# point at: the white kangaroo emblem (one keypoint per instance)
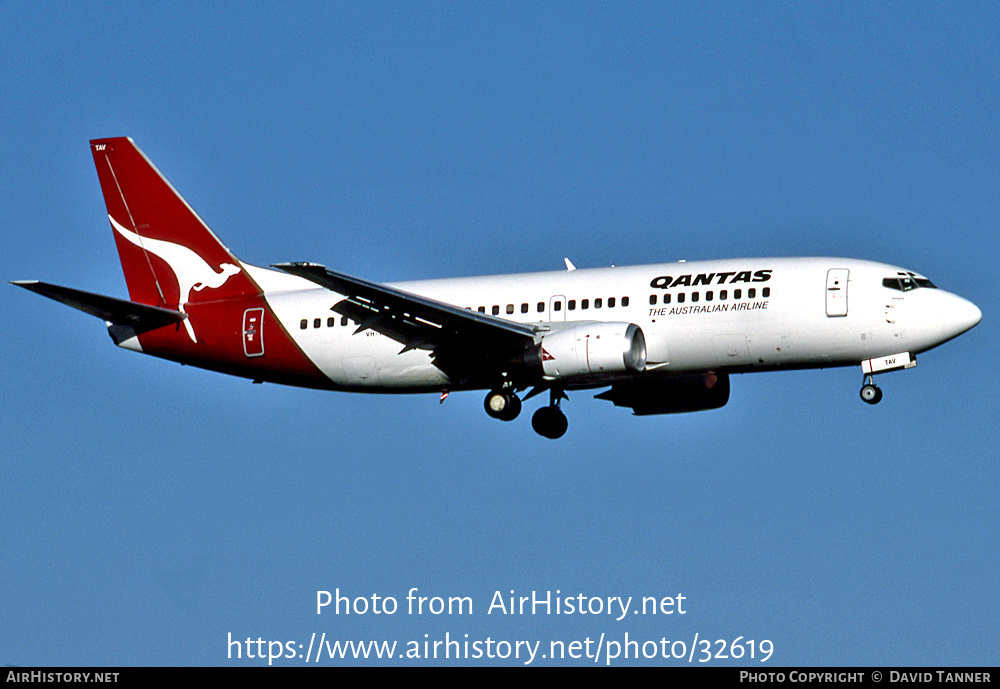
(190, 269)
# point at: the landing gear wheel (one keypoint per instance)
(549, 422)
(870, 393)
(503, 405)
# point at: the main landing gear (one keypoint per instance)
(503, 404)
(550, 422)
(870, 392)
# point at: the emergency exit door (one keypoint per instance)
(557, 308)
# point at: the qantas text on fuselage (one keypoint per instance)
(656, 339)
(731, 277)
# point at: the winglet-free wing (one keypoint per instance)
(119, 311)
(465, 344)
(385, 302)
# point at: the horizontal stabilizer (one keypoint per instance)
(119, 311)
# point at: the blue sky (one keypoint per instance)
(148, 510)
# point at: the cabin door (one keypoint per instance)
(836, 292)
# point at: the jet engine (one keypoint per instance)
(671, 395)
(592, 348)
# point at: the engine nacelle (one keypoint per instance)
(671, 395)
(593, 348)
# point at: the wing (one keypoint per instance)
(465, 344)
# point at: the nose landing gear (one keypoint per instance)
(870, 392)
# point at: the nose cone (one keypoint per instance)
(960, 315)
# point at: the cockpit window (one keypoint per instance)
(904, 282)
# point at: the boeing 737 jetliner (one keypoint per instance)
(661, 338)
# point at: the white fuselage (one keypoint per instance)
(722, 316)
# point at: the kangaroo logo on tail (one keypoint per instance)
(191, 270)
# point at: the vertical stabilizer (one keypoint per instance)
(169, 255)
(192, 301)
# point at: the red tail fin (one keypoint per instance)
(169, 256)
(172, 260)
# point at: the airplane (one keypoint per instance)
(662, 338)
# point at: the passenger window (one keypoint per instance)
(766, 291)
(708, 295)
(510, 308)
(597, 303)
(343, 320)
(584, 304)
(524, 307)
(652, 298)
(482, 309)
(317, 322)
(611, 302)
(495, 310)
(624, 301)
(694, 296)
(330, 321)
(304, 323)
(571, 304)
(680, 298)
(723, 294)
(557, 306)
(751, 293)
(541, 307)
(666, 298)
(737, 293)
